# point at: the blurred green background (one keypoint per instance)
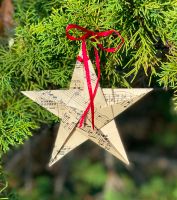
(35, 54)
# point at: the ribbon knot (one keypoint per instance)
(94, 36)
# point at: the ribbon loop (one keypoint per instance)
(94, 36)
(85, 36)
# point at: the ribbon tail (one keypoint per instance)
(87, 72)
(97, 58)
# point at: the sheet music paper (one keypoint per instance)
(70, 104)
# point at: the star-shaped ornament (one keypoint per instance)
(70, 104)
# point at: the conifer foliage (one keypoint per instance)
(41, 56)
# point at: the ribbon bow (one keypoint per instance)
(94, 36)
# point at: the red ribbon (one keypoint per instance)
(94, 37)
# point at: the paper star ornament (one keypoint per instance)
(70, 104)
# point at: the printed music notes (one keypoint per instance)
(70, 104)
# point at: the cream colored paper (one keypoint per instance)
(70, 104)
